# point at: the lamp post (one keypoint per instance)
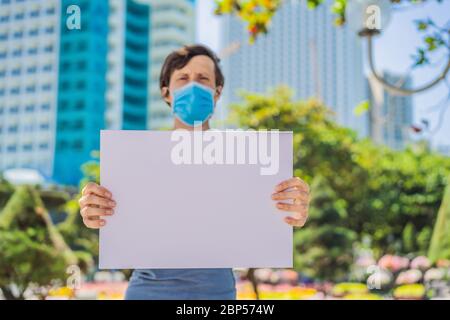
(368, 18)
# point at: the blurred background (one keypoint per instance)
(363, 84)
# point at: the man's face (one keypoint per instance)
(200, 69)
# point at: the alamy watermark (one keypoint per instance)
(228, 147)
(373, 17)
(73, 21)
(74, 279)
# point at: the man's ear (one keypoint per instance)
(218, 93)
(165, 94)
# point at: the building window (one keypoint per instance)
(33, 32)
(65, 66)
(134, 100)
(78, 145)
(34, 14)
(82, 65)
(18, 34)
(135, 65)
(80, 105)
(62, 145)
(14, 110)
(32, 51)
(63, 105)
(82, 46)
(15, 91)
(31, 69)
(65, 85)
(77, 125)
(49, 30)
(43, 146)
(17, 53)
(47, 87)
(81, 84)
(66, 46)
(29, 108)
(16, 72)
(31, 89)
(48, 48)
(27, 147)
(13, 129)
(50, 11)
(11, 148)
(45, 106)
(44, 126)
(47, 67)
(3, 36)
(19, 16)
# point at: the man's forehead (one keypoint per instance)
(198, 64)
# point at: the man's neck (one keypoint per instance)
(180, 125)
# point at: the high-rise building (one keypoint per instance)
(443, 149)
(391, 116)
(29, 48)
(60, 86)
(172, 26)
(103, 79)
(304, 50)
(128, 64)
(82, 88)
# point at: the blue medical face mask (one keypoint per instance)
(193, 104)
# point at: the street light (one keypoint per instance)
(369, 18)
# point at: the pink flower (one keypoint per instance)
(409, 277)
(420, 262)
(365, 261)
(393, 263)
(434, 274)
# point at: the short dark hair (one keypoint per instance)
(179, 59)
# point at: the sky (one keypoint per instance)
(393, 51)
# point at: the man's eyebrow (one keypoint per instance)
(205, 74)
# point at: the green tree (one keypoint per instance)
(31, 248)
(382, 190)
(73, 229)
(405, 188)
(6, 189)
(325, 247)
(440, 242)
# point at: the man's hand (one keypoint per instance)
(297, 190)
(96, 201)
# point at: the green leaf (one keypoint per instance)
(362, 108)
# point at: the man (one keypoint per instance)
(191, 83)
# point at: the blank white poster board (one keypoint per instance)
(204, 208)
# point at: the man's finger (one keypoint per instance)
(295, 222)
(290, 207)
(294, 194)
(94, 188)
(292, 183)
(94, 224)
(88, 212)
(92, 199)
